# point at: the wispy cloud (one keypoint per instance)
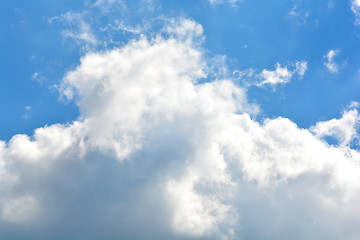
(299, 15)
(108, 4)
(330, 62)
(121, 26)
(80, 30)
(355, 7)
(38, 78)
(27, 111)
(282, 75)
(230, 2)
(344, 130)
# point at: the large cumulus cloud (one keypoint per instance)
(159, 153)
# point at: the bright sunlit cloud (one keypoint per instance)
(168, 144)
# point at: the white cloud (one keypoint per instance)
(103, 2)
(38, 78)
(121, 26)
(185, 29)
(231, 2)
(282, 75)
(293, 12)
(330, 63)
(80, 30)
(344, 129)
(301, 17)
(155, 148)
(27, 110)
(35, 76)
(106, 6)
(355, 7)
(300, 68)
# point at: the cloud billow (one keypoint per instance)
(155, 154)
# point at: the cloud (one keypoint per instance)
(20, 210)
(185, 29)
(355, 7)
(102, 2)
(344, 129)
(106, 6)
(27, 110)
(282, 75)
(38, 78)
(121, 26)
(300, 17)
(80, 30)
(35, 76)
(231, 2)
(154, 147)
(330, 63)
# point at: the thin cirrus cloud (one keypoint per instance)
(157, 154)
(79, 29)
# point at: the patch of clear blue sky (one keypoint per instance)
(254, 34)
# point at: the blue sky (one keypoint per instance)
(223, 111)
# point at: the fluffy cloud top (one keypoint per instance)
(157, 154)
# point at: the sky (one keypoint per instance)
(155, 119)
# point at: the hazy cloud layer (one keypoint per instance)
(155, 154)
